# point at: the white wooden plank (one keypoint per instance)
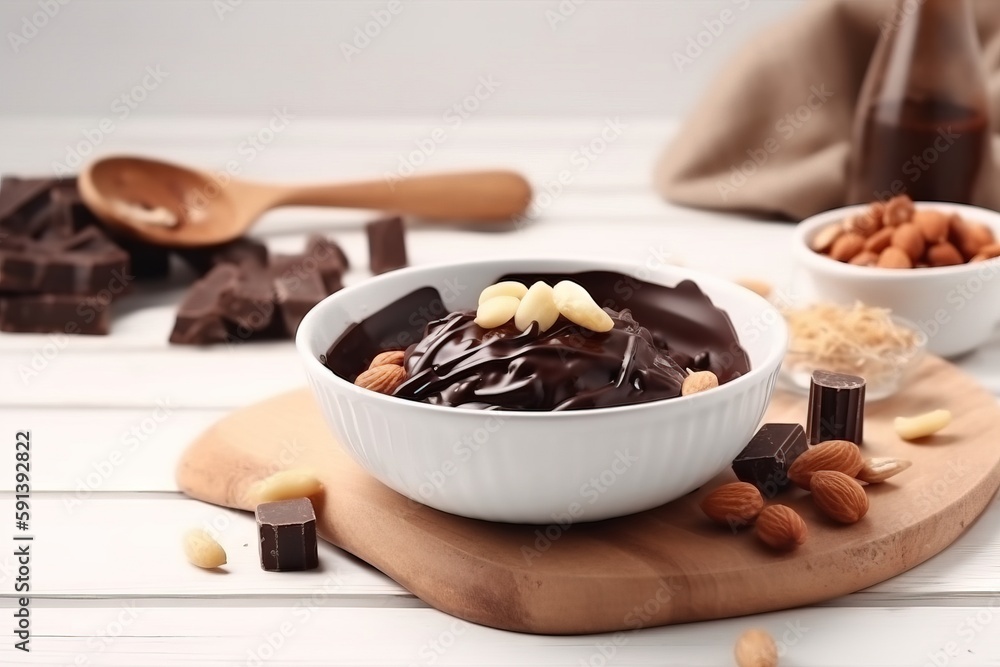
(315, 636)
(146, 529)
(108, 547)
(83, 451)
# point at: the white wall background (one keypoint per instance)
(249, 56)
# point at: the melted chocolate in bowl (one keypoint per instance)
(659, 331)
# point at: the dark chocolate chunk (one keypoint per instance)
(386, 245)
(249, 303)
(241, 251)
(764, 462)
(84, 263)
(296, 296)
(287, 535)
(21, 200)
(701, 361)
(146, 262)
(331, 260)
(836, 408)
(200, 319)
(54, 313)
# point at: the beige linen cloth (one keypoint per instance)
(786, 105)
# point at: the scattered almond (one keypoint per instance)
(944, 254)
(537, 305)
(505, 288)
(865, 258)
(497, 311)
(880, 240)
(756, 648)
(780, 527)
(839, 496)
(698, 382)
(824, 238)
(898, 211)
(921, 426)
(202, 550)
(384, 379)
(838, 455)
(847, 246)
(733, 505)
(574, 303)
(877, 470)
(285, 485)
(932, 224)
(909, 239)
(894, 258)
(394, 357)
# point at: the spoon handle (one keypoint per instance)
(466, 196)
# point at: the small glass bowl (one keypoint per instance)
(884, 376)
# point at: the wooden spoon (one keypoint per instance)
(171, 205)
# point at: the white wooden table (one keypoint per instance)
(110, 416)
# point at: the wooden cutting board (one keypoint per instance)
(667, 565)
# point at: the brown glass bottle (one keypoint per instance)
(922, 123)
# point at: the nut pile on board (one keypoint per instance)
(897, 235)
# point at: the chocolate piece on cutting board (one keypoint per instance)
(287, 531)
(200, 318)
(54, 313)
(764, 462)
(386, 244)
(836, 408)
(241, 251)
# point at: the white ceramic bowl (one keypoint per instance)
(957, 307)
(541, 467)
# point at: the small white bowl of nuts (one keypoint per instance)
(932, 263)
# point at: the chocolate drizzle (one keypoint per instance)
(659, 331)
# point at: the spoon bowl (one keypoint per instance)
(171, 205)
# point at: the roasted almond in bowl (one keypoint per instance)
(914, 273)
(512, 423)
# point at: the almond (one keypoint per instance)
(839, 496)
(932, 224)
(898, 211)
(537, 305)
(944, 254)
(756, 648)
(839, 455)
(894, 258)
(202, 550)
(780, 527)
(847, 246)
(824, 238)
(394, 357)
(970, 237)
(757, 286)
(506, 288)
(733, 505)
(384, 379)
(877, 470)
(864, 258)
(880, 240)
(865, 224)
(698, 382)
(909, 239)
(921, 426)
(989, 251)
